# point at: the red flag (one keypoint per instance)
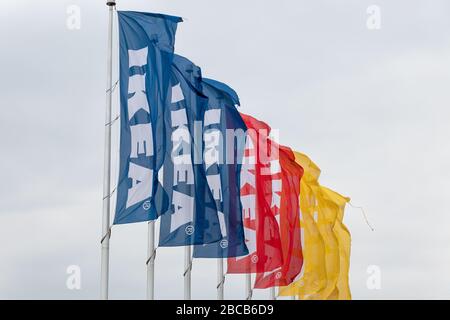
(289, 220)
(258, 203)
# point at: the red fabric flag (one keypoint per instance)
(289, 221)
(259, 204)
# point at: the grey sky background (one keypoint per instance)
(369, 107)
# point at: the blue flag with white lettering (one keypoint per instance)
(224, 135)
(191, 216)
(146, 54)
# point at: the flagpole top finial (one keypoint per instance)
(111, 3)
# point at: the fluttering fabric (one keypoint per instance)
(333, 210)
(326, 245)
(313, 278)
(191, 216)
(146, 54)
(256, 203)
(259, 204)
(224, 138)
(286, 176)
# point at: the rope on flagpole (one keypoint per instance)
(187, 272)
(112, 121)
(113, 87)
(110, 195)
(221, 283)
(220, 279)
(152, 257)
(111, 91)
(107, 235)
(188, 269)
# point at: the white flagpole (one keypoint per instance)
(104, 278)
(151, 261)
(248, 286)
(272, 293)
(220, 279)
(187, 272)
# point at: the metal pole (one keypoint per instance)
(187, 272)
(151, 261)
(220, 279)
(272, 293)
(104, 278)
(248, 286)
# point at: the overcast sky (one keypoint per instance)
(371, 107)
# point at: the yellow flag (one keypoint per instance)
(313, 278)
(343, 237)
(326, 241)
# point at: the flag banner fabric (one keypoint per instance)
(224, 137)
(191, 216)
(336, 203)
(327, 216)
(260, 202)
(215, 177)
(288, 217)
(224, 89)
(146, 53)
(326, 240)
(313, 277)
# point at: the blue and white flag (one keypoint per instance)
(191, 216)
(146, 54)
(224, 134)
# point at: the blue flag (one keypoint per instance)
(146, 54)
(191, 216)
(223, 161)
